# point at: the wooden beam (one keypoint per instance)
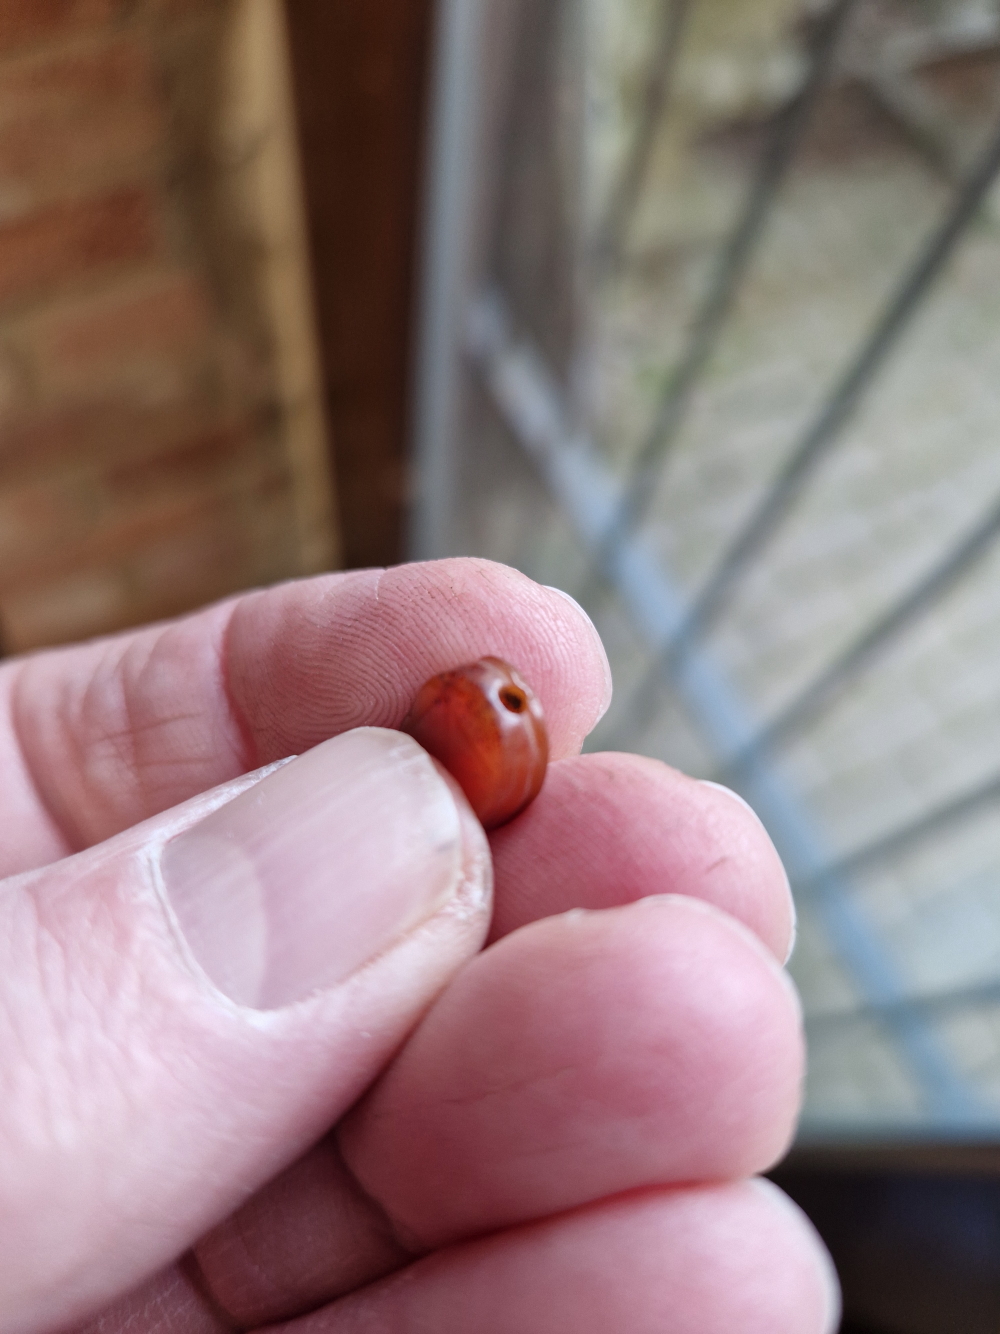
(361, 78)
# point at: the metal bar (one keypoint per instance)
(453, 126)
(580, 482)
(976, 993)
(840, 405)
(899, 840)
(729, 272)
(882, 989)
(919, 115)
(890, 72)
(628, 187)
(817, 440)
(879, 634)
(878, 1130)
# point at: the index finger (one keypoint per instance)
(97, 737)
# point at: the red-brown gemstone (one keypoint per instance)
(486, 727)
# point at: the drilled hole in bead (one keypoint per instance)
(513, 699)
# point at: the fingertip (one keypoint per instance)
(747, 1011)
(687, 910)
(611, 828)
(660, 1039)
(541, 630)
(755, 841)
(598, 643)
(803, 1240)
(389, 630)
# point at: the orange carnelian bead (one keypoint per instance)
(487, 728)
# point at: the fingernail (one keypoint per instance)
(728, 791)
(608, 684)
(793, 935)
(298, 882)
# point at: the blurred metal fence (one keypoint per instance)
(489, 336)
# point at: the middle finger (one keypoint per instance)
(581, 1057)
(607, 829)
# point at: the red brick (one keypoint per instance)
(57, 526)
(56, 149)
(69, 241)
(179, 9)
(91, 111)
(34, 443)
(208, 554)
(148, 561)
(13, 386)
(36, 521)
(194, 466)
(53, 528)
(217, 553)
(25, 22)
(98, 435)
(129, 335)
(76, 606)
(113, 68)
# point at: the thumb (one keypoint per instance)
(185, 1008)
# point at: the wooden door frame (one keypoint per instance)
(361, 78)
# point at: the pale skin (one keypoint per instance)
(517, 1117)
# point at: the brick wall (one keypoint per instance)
(161, 439)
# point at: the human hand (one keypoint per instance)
(203, 969)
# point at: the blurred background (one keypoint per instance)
(689, 307)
